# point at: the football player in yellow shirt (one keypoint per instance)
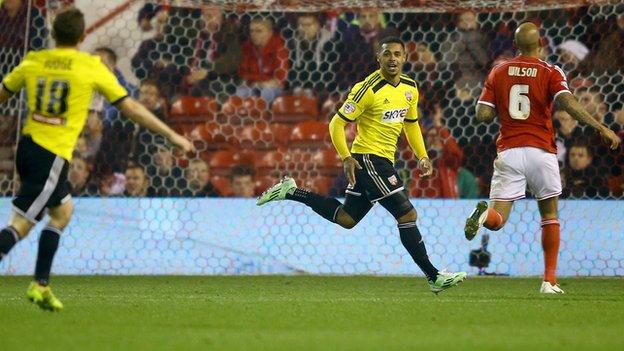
(59, 84)
(382, 105)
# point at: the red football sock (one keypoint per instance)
(550, 244)
(493, 219)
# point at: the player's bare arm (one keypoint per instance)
(337, 133)
(141, 115)
(485, 113)
(568, 103)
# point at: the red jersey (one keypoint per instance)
(522, 91)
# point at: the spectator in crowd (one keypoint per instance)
(311, 51)
(112, 184)
(465, 49)
(197, 178)
(568, 131)
(593, 101)
(147, 14)
(467, 184)
(151, 98)
(216, 54)
(78, 176)
(117, 132)
(446, 156)
(137, 182)
(571, 53)
(581, 178)
(358, 44)
(242, 181)
(13, 16)
(264, 62)
(606, 56)
(165, 178)
(92, 132)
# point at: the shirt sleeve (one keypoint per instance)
(558, 83)
(16, 79)
(107, 84)
(412, 113)
(487, 95)
(360, 98)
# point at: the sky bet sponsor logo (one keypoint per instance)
(392, 116)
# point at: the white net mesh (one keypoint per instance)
(258, 114)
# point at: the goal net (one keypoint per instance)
(255, 83)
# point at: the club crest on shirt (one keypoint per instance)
(409, 96)
(393, 180)
(349, 107)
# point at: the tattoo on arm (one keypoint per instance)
(569, 104)
(485, 113)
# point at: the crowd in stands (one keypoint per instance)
(256, 91)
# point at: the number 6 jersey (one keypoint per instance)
(522, 91)
(59, 85)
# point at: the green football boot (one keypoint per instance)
(446, 280)
(277, 192)
(43, 297)
(475, 220)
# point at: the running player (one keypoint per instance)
(382, 105)
(521, 91)
(59, 83)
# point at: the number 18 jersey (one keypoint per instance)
(60, 84)
(522, 91)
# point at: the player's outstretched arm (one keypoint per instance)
(339, 139)
(485, 113)
(141, 115)
(417, 143)
(569, 104)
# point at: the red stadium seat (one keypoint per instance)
(310, 134)
(222, 183)
(194, 108)
(259, 136)
(281, 133)
(269, 162)
(320, 185)
(237, 110)
(223, 160)
(215, 136)
(327, 162)
(294, 109)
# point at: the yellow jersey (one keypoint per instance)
(380, 110)
(59, 85)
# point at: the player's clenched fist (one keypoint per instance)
(425, 167)
(350, 164)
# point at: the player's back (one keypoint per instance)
(522, 91)
(60, 84)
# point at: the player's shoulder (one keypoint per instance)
(365, 86)
(407, 80)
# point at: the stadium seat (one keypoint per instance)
(281, 133)
(215, 136)
(292, 109)
(263, 183)
(321, 185)
(259, 136)
(222, 184)
(190, 107)
(237, 110)
(327, 162)
(269, 162)
(223, 160)
(310, 134)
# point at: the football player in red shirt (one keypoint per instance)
(521, 92)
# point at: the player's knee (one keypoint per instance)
(410, 216)
(345, 220)
(61, 216)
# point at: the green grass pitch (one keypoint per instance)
(312, 313)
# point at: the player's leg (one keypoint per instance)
(544, 182)
(548, 209)
(18, 228)
(508, 184)
(401, 208)
(355, 207)
(60, 217)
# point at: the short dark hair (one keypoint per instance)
(583, 143)
(68, 27)
(391, 40)
(108, 51)
(241, 171)
(151, 82)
